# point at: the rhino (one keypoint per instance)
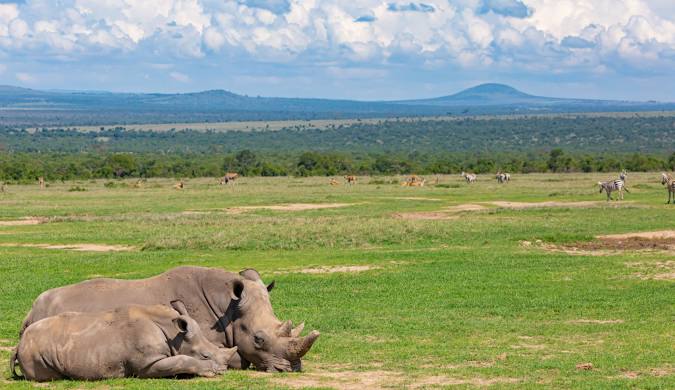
(130, 341)
(232, 309)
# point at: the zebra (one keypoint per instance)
(469, 177)
(502, 177)
(623, 175)
(669, 182)
(613, 185)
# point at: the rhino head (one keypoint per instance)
(261, 339)
(191, 341)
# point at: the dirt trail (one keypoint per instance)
(24, 221)
(75, 247)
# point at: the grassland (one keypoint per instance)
(406, 290)
(275, 125)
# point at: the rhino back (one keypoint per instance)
(182, 283)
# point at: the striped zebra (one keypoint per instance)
(469, 177)
(611, 186)
(623, 175)
(668, 181)
(503, 177)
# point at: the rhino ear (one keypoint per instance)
(250, 274)
(237, 290)
(181, 324)
(270, 286)
(179, 306)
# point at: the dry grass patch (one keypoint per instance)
(600, 322)
(288, 207)
(424, 215)
(76, 247)
(658, 270)
(529, 205)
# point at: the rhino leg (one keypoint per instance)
(181, 365)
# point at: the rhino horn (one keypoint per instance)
(299, 346)
(285, 329)
(297, 330)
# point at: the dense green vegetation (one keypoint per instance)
(26, 167)
(400, 302)
(535, 144)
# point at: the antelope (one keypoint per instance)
(414, 181)
(668, 181)
(350, 179)
(41, 181)
(179, 186)
(229, 177)
(334, 182)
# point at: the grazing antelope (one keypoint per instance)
(334, 182)
(414, 181)
(41, 181)
(139, 183)
(613, 185)
(229, 177)
(668, 181)
(469, 177)
(179, 186)
(351, 179)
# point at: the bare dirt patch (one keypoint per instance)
(416, 198)
(75, 247)
(343, 380)
(442, 380)
(379, 379)
(288, 207)
(24, 221)
(465, 207)
(600, 322)
(424, 215)
(332, 270)
(610, 245)
(529, 205)
(658, 235)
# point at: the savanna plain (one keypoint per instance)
(411, 287)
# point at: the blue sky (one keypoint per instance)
(366, 49)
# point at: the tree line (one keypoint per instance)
(24, 167)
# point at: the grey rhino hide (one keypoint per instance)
(142, 341)
(232, 310)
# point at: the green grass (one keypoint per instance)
(459, 300)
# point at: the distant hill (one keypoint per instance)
(29, 107)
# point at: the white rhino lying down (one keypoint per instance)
(232, 310)
(132, 341)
